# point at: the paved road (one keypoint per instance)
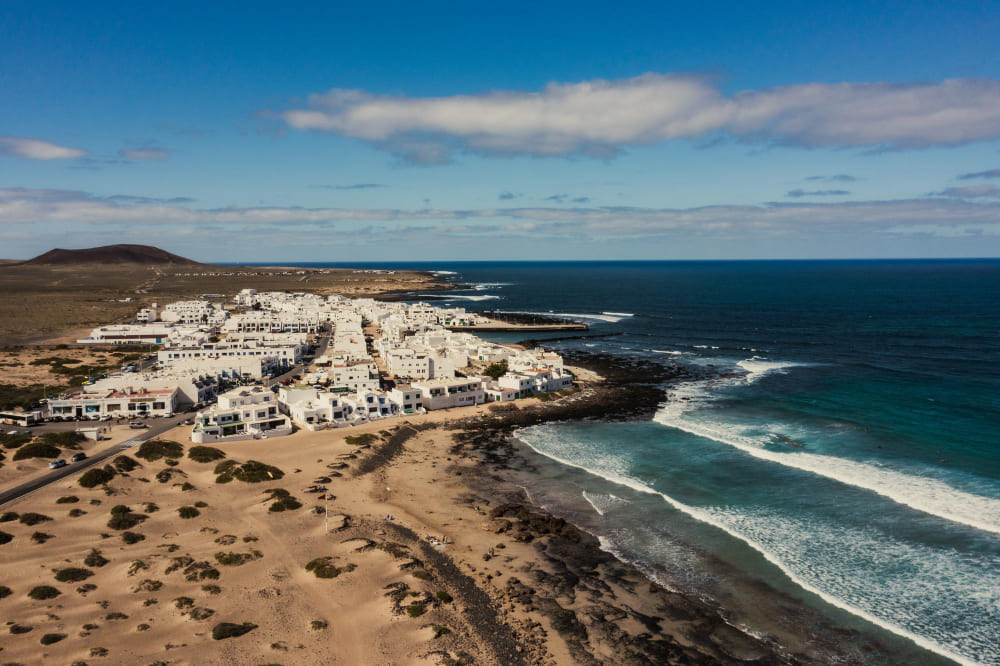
(157, 427)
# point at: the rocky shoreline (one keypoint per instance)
(605, 610)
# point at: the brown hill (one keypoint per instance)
(110, 254)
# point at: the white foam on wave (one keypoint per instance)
(666, 351)
(922, 493)
(481, 286)
(609, 469)
(465, 297)
(592, 503)
(602, 502)
(619, 314)
(443, 273)
(704, 346)
(604, 316)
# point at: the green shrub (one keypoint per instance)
(119, 510)
(49, 639)
(237, 559)
(142, 627)
(184, 602)
(319, 625)
(116, 616)
(200, 505)
(37, 450)
(199, 571)
(356, 440)
(42, 592)
(18, 629)
(96, 476)
(201, 613)
(68, 499)
(41, 537)
(67, 439)
(149, 585)
(155, 449)
(8, 516)
(251, 471)
(211, 589)
(124, 464)
(186, 487)
(188, 512)
(4, 591)
(33, 519)
(132, 537)
(440, 630)
(73, 574)
(76, 513)
(443, 597)
(5, 537)
(323, 567)
(420, 574)
(124, 521)
(95, 559)
(205, 454)
(14, 441)
(416, 609)
(230, 630)
(496, 370)
(149, 507)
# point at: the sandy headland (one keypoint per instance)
(421, 551)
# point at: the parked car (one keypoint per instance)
(56, 464)
(188, 421)
(77, 457)
(106, 417)
(137, 425)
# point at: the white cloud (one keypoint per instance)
(600, 118)
(970, 192)
(36, 149)
(157, 154)
(34, 207)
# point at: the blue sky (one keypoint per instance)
(245, 132)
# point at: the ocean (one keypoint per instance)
(845, 451)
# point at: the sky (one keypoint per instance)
(255, 132)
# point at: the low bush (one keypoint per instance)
(237, 559)
(13, 441)
(124, 464)
(132, 537)
(18, 629)
(73, 574)
(319, 625)
(156, 449)
(440, 630)
(149, 585)
(252, 471)
(230, 630)
(282, 500)
(188, 512)
(356, 440)
(8, 516)
(4, 591)
(323, 567)
(200, 571)
(95, 559)
(49, 639)
(205, 454)
(37, 450)
(184, 602)
(149, 507)
(211, 589)
(416, 609)
(33, 519)
(42, 592)
(443, 597)
(96, 476)
(116, 616)
(68, 499)
(76, 513)
(67, 439)
(5, 537)
(124, 521)
(201, 613)
(41, 537)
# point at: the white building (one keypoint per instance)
(355, 375)
(241, 414)
(448, 392)
(124, 403)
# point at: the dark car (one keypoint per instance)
(77, 457)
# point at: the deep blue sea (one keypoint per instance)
(850, 458)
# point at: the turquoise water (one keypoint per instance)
(848, 454)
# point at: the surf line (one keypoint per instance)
(707, 518)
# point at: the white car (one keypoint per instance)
(56, 464)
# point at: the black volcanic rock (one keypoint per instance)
(110, 254)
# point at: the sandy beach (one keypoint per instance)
(431, 557)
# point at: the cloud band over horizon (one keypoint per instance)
(601, 118)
